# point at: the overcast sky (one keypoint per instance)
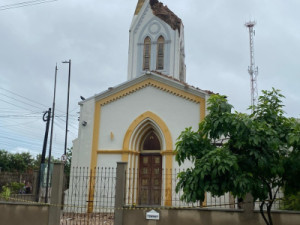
(94, 35)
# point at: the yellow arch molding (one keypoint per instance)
(169, 148)
(162, 125)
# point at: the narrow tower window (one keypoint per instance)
(160, 53)
(147, 53)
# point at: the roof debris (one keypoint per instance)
(164, 13)
(184, 83)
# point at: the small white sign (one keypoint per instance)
(152, 215)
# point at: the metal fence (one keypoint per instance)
(91, 194)
(90, 197)
(168, 197)
(278, 204)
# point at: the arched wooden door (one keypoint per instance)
(150, 172)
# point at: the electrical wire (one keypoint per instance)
(63, 129)
(24, 4)
(18, 124)
(21, 101)
(20, 116)
(21, 107)
(10, 136)
(70, 124)
(28, 99)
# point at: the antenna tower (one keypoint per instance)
(252, 69)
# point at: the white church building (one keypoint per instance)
(139, 121)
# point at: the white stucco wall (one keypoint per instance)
(108, 160)
(116, 117)
(82, 146)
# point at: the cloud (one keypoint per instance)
(94, 34)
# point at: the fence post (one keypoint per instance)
(120, 192)
(248, 216)
(56, 193)
(34, 184)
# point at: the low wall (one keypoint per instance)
(23, 214)
(207, 217)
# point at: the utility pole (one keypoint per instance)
(68, 99)
(252, 69)
(51, 136)
(47, 113)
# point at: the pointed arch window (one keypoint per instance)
(160, 53)
(147, 53)
(151, 142)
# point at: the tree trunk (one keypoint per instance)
(261, 207)
(269, 206)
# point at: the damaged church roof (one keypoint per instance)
(165, 14)
(162, 12)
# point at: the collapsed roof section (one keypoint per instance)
(165, 14)
(162, 12)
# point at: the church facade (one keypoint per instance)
(139, 121)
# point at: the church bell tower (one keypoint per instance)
(156, 41)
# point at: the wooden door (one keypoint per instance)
(150, 179)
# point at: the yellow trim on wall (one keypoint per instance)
(152, 83)
(94, 156)
(116, 152)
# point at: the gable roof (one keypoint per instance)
(153, 79)
(184, 83)
(139, 6)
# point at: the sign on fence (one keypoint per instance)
(152, 215)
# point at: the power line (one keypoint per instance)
(18, 124)
(15, 105)
(62, 128)
(20, 101)
(28, 99)
(20, 116)
(14, 139)
(37, 143)
(71, 124)
(24, 4)
(31, 148)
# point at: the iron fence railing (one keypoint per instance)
(168, 197)
(90, 196)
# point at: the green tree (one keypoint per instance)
(37, 161)
(4, 160)
(16, 162)
(239, 153)
(21, 162)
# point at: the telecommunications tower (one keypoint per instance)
(252, 69)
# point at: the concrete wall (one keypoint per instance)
(24, 214)
(208, 217)
(16, 213)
